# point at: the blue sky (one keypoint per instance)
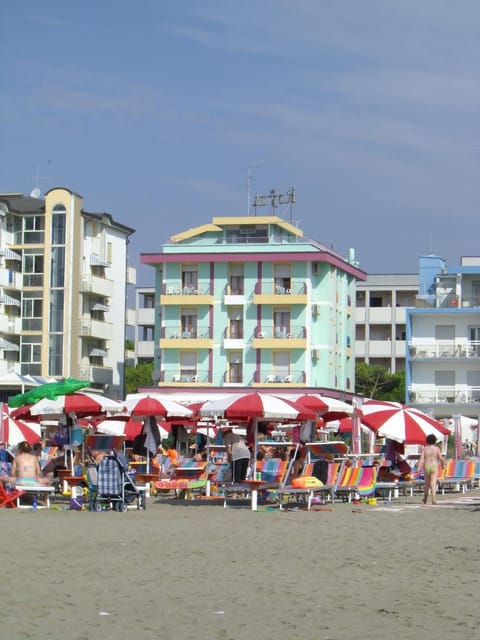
(154, 110)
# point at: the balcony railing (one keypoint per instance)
(288, 287)
(277, 376)
(184, 377)
(465, 349)
(178, 332)
(177, 289)
(280, 332)
(442, 394)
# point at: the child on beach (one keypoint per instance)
(431, 460)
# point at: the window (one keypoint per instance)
(281, 323)
(235, 367)
(56, 311)
(148, 301)
(32, 311)
(58, 225)
(55, 355)
(281, 365)
(236, 323)
(33, 229)
(33, 269)
(189, 323)
(282, 278)
(188, 365)
(31, 355)
(236, 279)
(189, 278)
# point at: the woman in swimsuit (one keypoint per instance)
(26, 468)
(431, 460)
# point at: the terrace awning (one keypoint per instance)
(6, 345)
(12, 255)
(100, 307)
(13, 302)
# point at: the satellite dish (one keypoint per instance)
(36, 193)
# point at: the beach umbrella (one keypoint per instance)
(326, 407)
(143, 405)
(49, 390)
(13, 431)
(256, 407)
(79, 403)
(400, 423)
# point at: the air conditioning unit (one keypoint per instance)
(315, 354)
(316, 309)
(316, 267)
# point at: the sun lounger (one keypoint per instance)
(347, 485)
(186, 480)
(36, 492)
(308, 493)
(457, 476)
(271, 472)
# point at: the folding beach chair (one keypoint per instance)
(9, 498)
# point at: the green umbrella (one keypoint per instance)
(49, 390)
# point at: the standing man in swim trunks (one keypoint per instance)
(431, 460)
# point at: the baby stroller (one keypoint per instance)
(111, 486)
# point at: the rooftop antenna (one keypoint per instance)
(249, 186)
(36, 192)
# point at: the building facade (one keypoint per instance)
(443, 337)
(248, 302)
(63, 280)
(382, 301)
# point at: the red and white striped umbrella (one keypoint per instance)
(243, 406)
(328, 408)
(13, 431)
(142, 405)
(401, 423)
(128, 427)
(80, 403)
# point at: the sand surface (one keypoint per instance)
(194, 572)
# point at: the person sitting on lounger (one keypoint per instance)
(26, 468)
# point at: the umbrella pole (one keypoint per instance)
(207, 485)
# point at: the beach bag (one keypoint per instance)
(306, 482)
(76, 504)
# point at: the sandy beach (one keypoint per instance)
(189, 571)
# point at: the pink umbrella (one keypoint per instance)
(401, 423)
(13, 431)
(80, 403)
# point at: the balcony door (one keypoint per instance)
(281, 323)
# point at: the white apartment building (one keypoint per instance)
(63, 284)
(380, 319)
(443, 336)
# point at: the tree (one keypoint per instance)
(139, 376)
(374, 381)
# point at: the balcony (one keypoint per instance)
(170, 377)
(146, 317)
(445, 349)
(290, 292)
(279, 377)
(176, 337)
(145, 348)
(273, 337)
(95, 328)
(176, 294)
(95, 374)
(97, 285)
(459, 394)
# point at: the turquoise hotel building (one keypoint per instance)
(244, 303)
